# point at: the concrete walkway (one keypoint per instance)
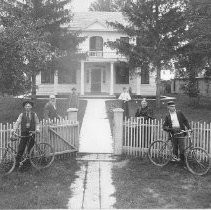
(93, 188)
(95, 135)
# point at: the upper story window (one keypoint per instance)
(47, 76)
(96, 43)
(124, 39)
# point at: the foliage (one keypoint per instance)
(155, 28)
(194, 56)
(43, 37)
(107, 5)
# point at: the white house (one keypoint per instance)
(100, 73)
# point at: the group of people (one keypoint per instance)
(29, 122)
(174, 122)
(143, 110)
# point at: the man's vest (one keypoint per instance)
(27, 124)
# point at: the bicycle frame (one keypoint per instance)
(188, 138)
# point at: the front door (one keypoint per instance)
(96, 80)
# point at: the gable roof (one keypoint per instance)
(82, 20)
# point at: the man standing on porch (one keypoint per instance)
(125, 97)
(73, 99)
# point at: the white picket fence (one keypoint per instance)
(139, 134)
(62, 135)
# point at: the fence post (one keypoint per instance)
(118, 130)
(72, 114)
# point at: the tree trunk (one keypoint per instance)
(33, 96)
(158, 82)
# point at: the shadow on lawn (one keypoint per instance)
(139, 184)
(49, 188)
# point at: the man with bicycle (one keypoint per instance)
(29, 122)
(174, 122)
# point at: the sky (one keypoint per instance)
(81, 5)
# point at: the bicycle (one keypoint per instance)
(40, 156)
(196, 158)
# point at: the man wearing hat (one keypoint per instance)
(50, 111)
(174, 122)
(74, 99)
(28, 121)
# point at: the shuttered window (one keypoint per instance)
(47, 76)
(96, 43)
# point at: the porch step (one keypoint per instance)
(97, 97)
(105, 157)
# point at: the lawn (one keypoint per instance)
(46, 189)
(139, 184)
(10, 108)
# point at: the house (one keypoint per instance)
(101, 72)
(203, 83)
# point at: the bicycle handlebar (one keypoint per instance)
(18, 136)
(184, 131)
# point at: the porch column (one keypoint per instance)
(112, 79)
(138, 82)
(55, 86)
(82, 77)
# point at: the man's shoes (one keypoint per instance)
(175, 158)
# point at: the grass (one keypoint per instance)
(139, 184)
(10, 108)
(47, 189)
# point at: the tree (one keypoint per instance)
(12, 78)
(194, 56)
(46, 39)
(155, 28)
(107, 5)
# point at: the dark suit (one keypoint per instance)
(50, 112)
(145, 136)
(178, 141)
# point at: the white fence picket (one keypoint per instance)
(66, 129)
(139, 134)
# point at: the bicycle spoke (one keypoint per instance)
(42, 155)
(159, 153)
(7, 162)
(198, 161)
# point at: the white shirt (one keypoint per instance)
(174, 120)
(125, 96)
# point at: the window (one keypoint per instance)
(67, 76)
(104, 76)
(96, 43)
(47, 76)
(122, 73)
(144, 76)
(87, 76)
(124, 39)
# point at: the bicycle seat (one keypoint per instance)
(13, 138)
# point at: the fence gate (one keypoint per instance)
(62, 135)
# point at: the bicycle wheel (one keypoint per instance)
(41, 155)
(159, 153)
(7, 161)
(198, 161)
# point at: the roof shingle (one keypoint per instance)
(82, 20)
